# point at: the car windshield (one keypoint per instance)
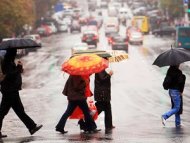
(119, 39)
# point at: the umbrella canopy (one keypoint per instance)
(84, 64)
(18, 43)
(100, 53)
(174, 56)
(117, 55)
(111, 55)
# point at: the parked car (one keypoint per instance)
(166, 30)
(120, 43)
(63, 27)
(136, 37)
(90, 37)
(44, 30)
(79, 46)
(51, 26)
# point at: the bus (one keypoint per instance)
(141, 22)
(183, 37)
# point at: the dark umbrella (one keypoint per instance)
(18, 43)
(174, 56)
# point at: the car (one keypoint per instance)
(131, 29)
(165, 30)
(63, 27)
(75, 26)
(136, 37)
(90, 37)
(120, 43)
(111, 25)
(79, 47)
(52, 26)
(35, 37)
(111, 36)
(44, 30)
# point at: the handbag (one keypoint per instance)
(78, 114)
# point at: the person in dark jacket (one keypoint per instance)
(75, 91)
(102, 95)
(10, 87)
(175, 82)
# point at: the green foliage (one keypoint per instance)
(14, 15)
(174, 7)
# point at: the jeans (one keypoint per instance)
(175, 96)
(70, 108)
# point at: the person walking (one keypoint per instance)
(102, 95)
(174, 82)
(75, 89)
(10, 87)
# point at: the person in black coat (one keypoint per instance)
(75, 91)
(102, 96)
(175, 82)
(10, 87)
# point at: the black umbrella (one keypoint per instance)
(18, 43)
(174, 56)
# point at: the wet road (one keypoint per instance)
(138, 99)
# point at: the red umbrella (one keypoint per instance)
(85, 64)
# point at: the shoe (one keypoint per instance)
(2, 136)
(163, 121)
(32, 131)
(61, 131)
(96, 130)
(112, 127)
(179, 126)
(82, 125)
(92, 131)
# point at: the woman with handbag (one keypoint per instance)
(75, 92)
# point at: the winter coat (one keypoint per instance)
(174, 79)
(75, 88)
(102, 89)
(13, 80)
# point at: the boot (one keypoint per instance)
(2, 136)
(82, 124)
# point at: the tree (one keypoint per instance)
(14, 15)
(174, 8)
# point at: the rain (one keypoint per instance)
(138, 98)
